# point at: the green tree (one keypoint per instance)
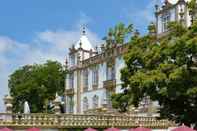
(192, 9)
(36, 84)
(119, 34)
(164, 70)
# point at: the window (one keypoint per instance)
(95, 76)
(70, 104)
(85, 80)
(85, 104)
(95, 100)
(72, 59)
(110, 72)
(71, 81)
(165, 21)
(108, 98)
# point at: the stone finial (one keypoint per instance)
(8, 103)
(156, 8)
(57, 103)
(66, 62)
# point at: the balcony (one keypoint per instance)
(85, 89)
(109, 84)
(69, 91)
(95, 86)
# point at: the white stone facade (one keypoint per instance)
(169, 12)
(93, 76)
(87, 83)
(92, 71)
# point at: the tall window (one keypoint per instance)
(71, 80)
(95, 76)
(70, 104)
(72, 59)
(95, 100)
(165, 21)
(110, 72)
(108, 98)
(85, 79)
(85, 104)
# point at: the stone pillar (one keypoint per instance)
(8, 108)
(8, 103)
(57, 103)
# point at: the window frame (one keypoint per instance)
(85, 79)
(95, 101)
(85, 104)
(165, 20)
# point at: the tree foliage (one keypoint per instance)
(119, 34)
(165, 70)
(36, 84)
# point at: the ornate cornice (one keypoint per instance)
(108, 54)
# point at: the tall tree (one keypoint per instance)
(36, 84)
(119, 34)
(164, 70)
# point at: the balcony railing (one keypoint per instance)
(69, 91)
(80, 121)
(109, 84)
(85, 89)
(95, 86)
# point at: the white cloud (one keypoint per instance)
(5, 44)
(46, 45)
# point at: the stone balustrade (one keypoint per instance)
(80, 121)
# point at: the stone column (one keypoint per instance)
(8, 103)
(8, 107)
(57, 103)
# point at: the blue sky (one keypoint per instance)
(22, 19)
(32, 31)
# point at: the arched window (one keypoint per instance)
(85, 104)
(95, 100)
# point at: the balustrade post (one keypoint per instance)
(8, 105)
(57, 103)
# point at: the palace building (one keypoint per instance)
(172, 10)
(94, 73)
(93, 76)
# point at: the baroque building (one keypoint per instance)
(94, 73)
(93, 76)
(172, 10)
